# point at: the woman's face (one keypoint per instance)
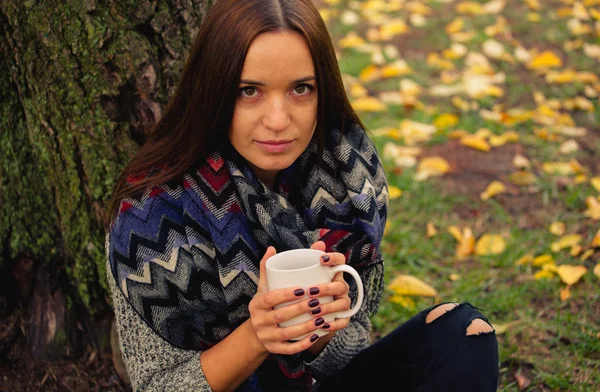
(276, 109)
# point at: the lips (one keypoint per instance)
(275, 146)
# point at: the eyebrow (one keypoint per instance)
(257, 83)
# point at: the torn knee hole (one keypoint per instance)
(479, 326)
(438, 311)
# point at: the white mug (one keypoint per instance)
(302, 268)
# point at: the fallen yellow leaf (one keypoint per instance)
(597, 270)
(557, 228)
(351, 40)
(494, 188)
(475, 142)
(595, 181)
(369, 73)
(433, 166)
(490, 244)
(565, 242)
(546, 59)
(408, 285)
(368, 104)
(502, 328)
(542, 259)
(526, 259)
(403, 301)
(565, 293)
(570, 274)
(543, 274)
(431, 230)
(596, 240)
(586, 255)
(453, 277)
(394, 192)
(455, 232)
(558, 168)
(593, 204)
(522, 178)
(446, 120)
(466, 246)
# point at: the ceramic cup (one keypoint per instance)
(302, 268)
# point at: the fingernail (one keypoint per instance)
(314, 338)
(326, 326)
(313, 303)
(319, 321)
(298, 292)
(325, 258)
(314, 291)
(316, 311)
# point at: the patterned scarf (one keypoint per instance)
(188, 257)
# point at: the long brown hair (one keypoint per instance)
(198, 116)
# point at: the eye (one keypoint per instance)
(248, 92)
(303, 89)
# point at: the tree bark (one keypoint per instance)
(82, 82)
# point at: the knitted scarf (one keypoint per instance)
(186, 256)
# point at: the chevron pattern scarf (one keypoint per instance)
(186, 254)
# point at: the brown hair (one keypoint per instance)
(199, 114)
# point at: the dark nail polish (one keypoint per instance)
(314, 338)
(314, 291)
(313, 303)
(326, 326)
(325, 258)
(316, 311)
(319, 321)
(298, 292)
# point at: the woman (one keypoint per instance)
(259, 151)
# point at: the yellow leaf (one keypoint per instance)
(494, 188)
(558, 168)
(455, 26)
(368, 104)
(469, 7)
(576, 249)
(397, 68)
(597, 270)
(394, 192)
(570, 274)
(433, 166)
(593, 211)
(497, 140)
(533, 17)
(431, 230)
(403, 301)
(526, 259)
(453, 277)
(595, 181)
(557, 228)
(586, 255)
(408, 285)
(475, 142)
(502, 328)
(466, 246)
(543, 274)
(370, 72)
(542, 259)
(596, 240)
(520, 162)
(388, 226)
(522, 178)
(565, 242)
(446, 120)
(351, 40)
(455, 232)
(490, 244)
(546, 59)
(392, 29)
(549, 267)
(358, 90)
(565, 293)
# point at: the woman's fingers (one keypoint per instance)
(289, 348)
(269, 300)
(262, 280)
(333, 258)
(328, 289)
(288, 312)
(339, 305)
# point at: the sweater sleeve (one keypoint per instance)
(348, 342)
(151, 362)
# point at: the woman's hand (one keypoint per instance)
(265, 319)
(338, 288)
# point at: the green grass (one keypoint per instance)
(555, 344)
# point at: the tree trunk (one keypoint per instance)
(82, 82)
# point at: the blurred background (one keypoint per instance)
(485, 113)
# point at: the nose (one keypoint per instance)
(277, 117)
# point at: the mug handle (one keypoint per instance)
(346, 268)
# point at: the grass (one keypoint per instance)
(546, 343)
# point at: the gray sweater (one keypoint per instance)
(153, 364)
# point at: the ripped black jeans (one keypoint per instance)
(425, 357)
